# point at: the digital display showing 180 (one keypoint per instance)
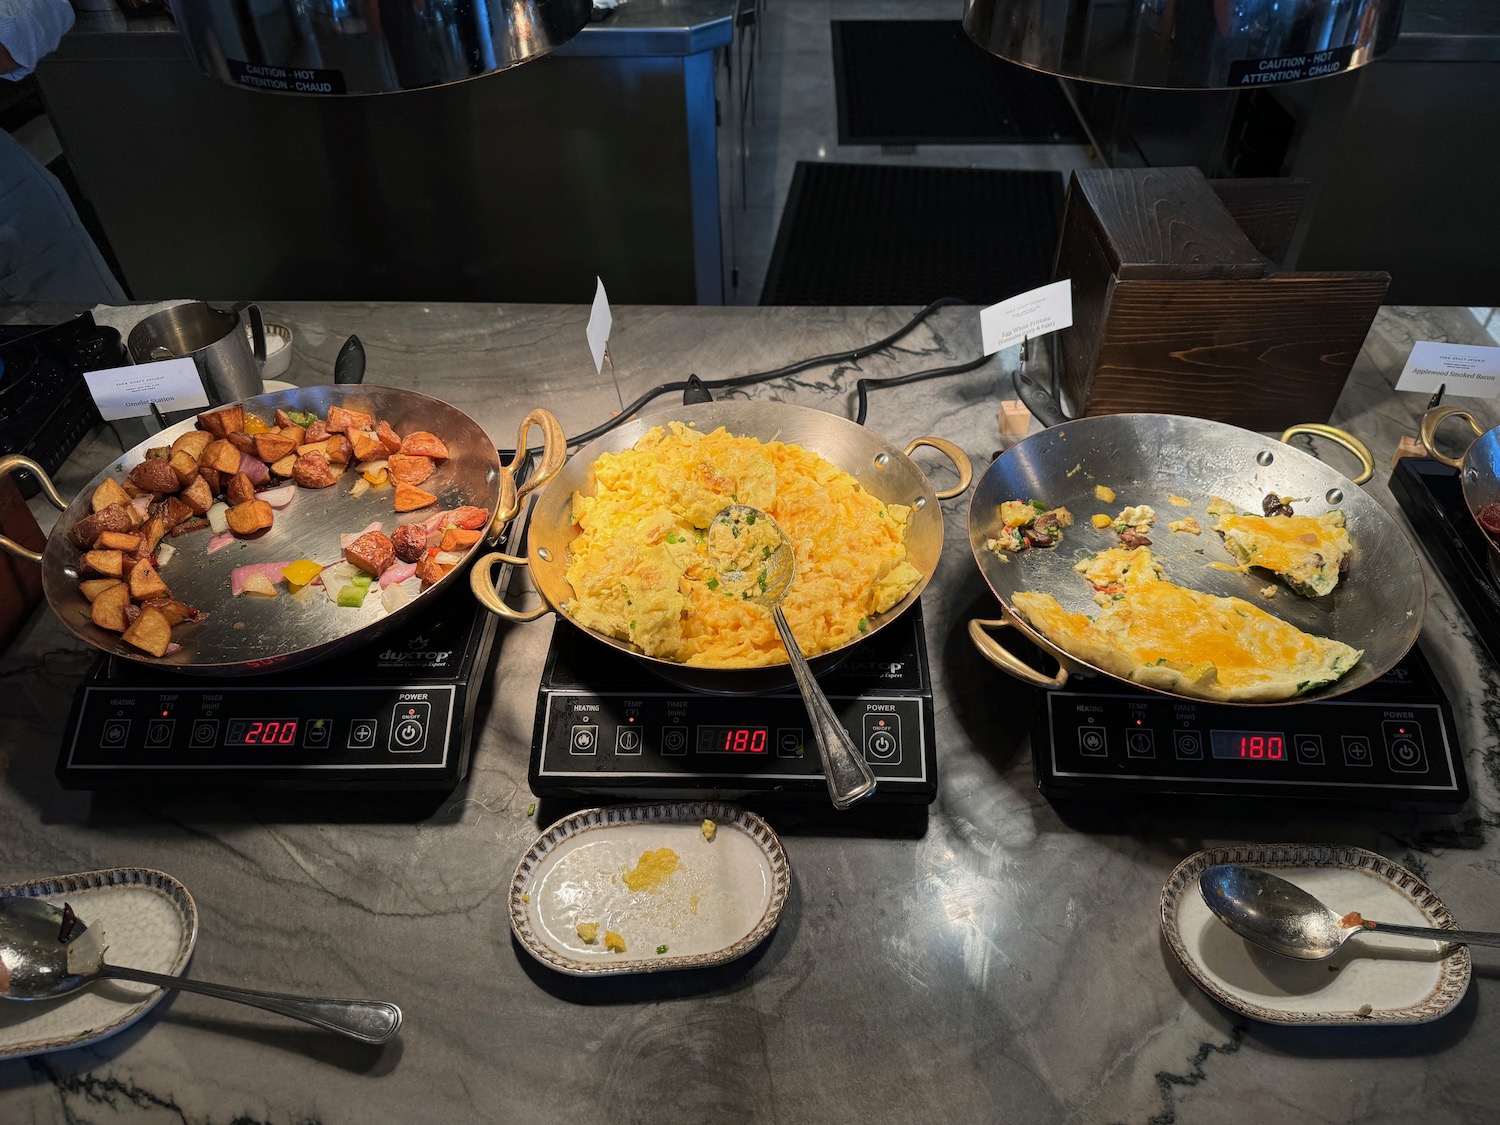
(1249, 745)
(733, 740)
(261, 732)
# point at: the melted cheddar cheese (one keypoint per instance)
(1308, 552)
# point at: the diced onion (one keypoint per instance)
(254, 468)
(361, 486)
(278, 497)
(218, 518)
(393, 597)
(164, 553)
(371, 466)
(448, 558)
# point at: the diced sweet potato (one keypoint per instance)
(250, 517)
(221, 455)
(145, 582)
(151, 632)
(198, 496)
(429, 571)
(423, 444)
(222, 423)
(113, 518)
(373, 552)
(117, 541)
(273, 447)
(155, 475)
(151, 532)
(111, 563)
(284, 467)
(108, 609)
(342, 421)
(185, 466)
(312, 470)
(171, 510)
(192, 443)
(411, 469)
(458, 539)
(340, 449)
(388, 437)
(240, 489)
(109, 492)
(409, 498)
(367, 447)
(91, 588)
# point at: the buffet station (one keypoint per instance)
(762, 726)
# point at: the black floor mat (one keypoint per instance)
(913, 82)
(873, 234)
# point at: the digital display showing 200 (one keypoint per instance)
(261, 732)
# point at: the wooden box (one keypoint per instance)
(1179, 306)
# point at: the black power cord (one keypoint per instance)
(699, 389)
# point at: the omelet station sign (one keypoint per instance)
(1290, 68)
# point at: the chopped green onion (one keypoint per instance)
(864, 624)
(352, 596)
(361, 580)
(632, 625)
(531, 809)
(749, 517)
(761, 581)
(713, 583)
(661, 949)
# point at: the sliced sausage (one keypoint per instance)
(372, 552)
(410, 541)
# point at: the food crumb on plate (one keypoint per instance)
(1177, 501)
(652, 870)
(1105, 493)
(613, 942)
(1187, 525)
(1267, 592)
(588, 931)
(709, 829)
(661, 949)
(1075, 468)
(1102, 520)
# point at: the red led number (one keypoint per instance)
(271, 734)
(743, 741)
(1269, 747)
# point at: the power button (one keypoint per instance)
(409, 727)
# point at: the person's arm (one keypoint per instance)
(29, 30)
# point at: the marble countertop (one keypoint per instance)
(999, 958)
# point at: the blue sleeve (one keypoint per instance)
(31, 29)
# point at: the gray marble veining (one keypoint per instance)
(999, 959)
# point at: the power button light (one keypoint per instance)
(1403, 746)
(883, 739)
(409, 727)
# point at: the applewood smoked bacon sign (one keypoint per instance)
(1290, 68)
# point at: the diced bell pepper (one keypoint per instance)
(254, 425)
(353, 596)
(300, 573)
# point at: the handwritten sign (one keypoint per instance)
(1026, 316)
(1467, 370)
(128, 392)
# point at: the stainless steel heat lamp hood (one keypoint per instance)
(1186, 44)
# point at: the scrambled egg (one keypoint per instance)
(1165, 636)
(642, 570)
(1308, 552)
(652, 870)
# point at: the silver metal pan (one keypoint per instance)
(1148, 458)
(250, 635)
(1479, 467)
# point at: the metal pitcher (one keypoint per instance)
(213, 339)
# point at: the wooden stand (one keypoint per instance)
(1179, 307)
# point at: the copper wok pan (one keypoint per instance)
(1479, 467)
(251, 635)
(1147, 458)
(883, 469)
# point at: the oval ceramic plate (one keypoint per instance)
(724, 897)
(1374, 979)
(148, 920)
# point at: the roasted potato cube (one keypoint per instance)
(342, 421)
(117, 541)
(108, 610)
(91, 588)
(312, 470)
(250, 517)
(388, 437)
(282, 419)
(411, 469)
(409, 498)
(367, 447)
(156, 475)
(222, 456)
(318, 431)
(243, 442)
(423, 444)
(171, 510)
(174, 611)
(285, 466)
(185, 466)
(116, 517)
(222, 423)
(109, 492)
(212, 477)
(239, 489)
(340, 450)
(192, 443)
(145, 582)
(297, 434)
(151, 633)
(111, 563)
(458, 539)
(151, 532)
(198, 496)
(273, 447)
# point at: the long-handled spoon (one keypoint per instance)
(46, 952)
(1282, 917)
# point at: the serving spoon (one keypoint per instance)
(47, 952)
(1280, 916)
(849, 776)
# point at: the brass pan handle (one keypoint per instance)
(959, 458)
(1338, 437)
(1435, 418)
(482, 583)
(554, 451)
(1007, 661)
(13, 463)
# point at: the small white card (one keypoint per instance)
(1027, 316)
(600, 323)
(1468, 370)
(128, 392)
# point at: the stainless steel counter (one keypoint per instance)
(997, 958)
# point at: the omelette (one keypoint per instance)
(1165, 636)
(1309, 553)
(643, 568)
